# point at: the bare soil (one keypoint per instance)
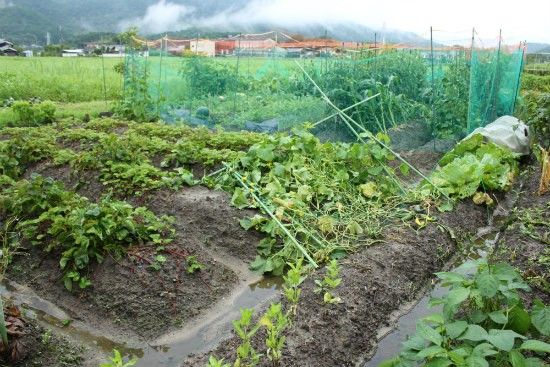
(375, 282)
(127, 297)
(40, 348)
(522, 250)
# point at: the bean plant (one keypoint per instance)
(483, 323)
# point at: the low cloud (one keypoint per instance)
(160, 17)
(451, 23)
(5, 4)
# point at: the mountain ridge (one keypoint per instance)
(27, 21)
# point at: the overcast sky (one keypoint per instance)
(452, 20)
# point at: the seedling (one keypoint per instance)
(293, 279)
(275, 322)
(193, 265)
(117, 361)
(329, 283)
(213, 362)
(159, 260)
(246, 355)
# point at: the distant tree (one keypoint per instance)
(128, 38)
(53, 50)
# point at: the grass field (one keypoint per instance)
(82, 79)
(59, 79)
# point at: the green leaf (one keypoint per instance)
(517, 359)
(439, 362)
(394, 362)
(540, 317)
(503, 339)
(239, 199)
(266, 153)
(457, 296)
(404, 168)
(430, 352)
(499, 317)
(519, 320)
(487, 284)
(456, 328)
(484, 350)
(428, 333)
(435, 318)
(536, 346)
(474, 333)
(476, 361)
(450, 277)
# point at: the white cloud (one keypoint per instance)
(452, 20)
(160, 17)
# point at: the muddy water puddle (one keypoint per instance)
(200, 335)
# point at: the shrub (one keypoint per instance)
(28, 114)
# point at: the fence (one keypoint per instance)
(450, 91)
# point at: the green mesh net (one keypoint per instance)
(446, 93)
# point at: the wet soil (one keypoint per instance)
(375, 282)
(520, 249)
(130, 299)
(42, 348)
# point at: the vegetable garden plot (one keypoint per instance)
(452, 92)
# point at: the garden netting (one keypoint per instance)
(438, 94)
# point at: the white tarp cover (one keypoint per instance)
(507, 132)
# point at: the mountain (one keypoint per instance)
(28, 21)
(533, 48)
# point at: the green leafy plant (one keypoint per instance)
(214, 362)
(472, 165)
(193, 265)
(329, 283)
(117, 361)
(296, 179)
(63, 221)
(483, 323)
(275, 322)
(245, 330)
(293, 279)
(29, 114)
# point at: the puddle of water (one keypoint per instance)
(390, 344)
(208, 333)
(168, 351)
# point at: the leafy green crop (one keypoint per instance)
(33, 114)
(64, 222)
(483, 323)
(314, 190)
(474, 164)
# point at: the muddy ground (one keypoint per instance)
(40, 347)
(129, 299)
(521, 250)
(375, 282)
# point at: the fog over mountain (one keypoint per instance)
(28, 21)
(356, 20)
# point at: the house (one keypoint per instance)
(225, 47)
(6, 48)
(73, 53)
(176, 47)
(204, 47)
(28, 53)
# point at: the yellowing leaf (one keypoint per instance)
(326, 223)
(354, 228)
(482, 198)
(369, 189)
